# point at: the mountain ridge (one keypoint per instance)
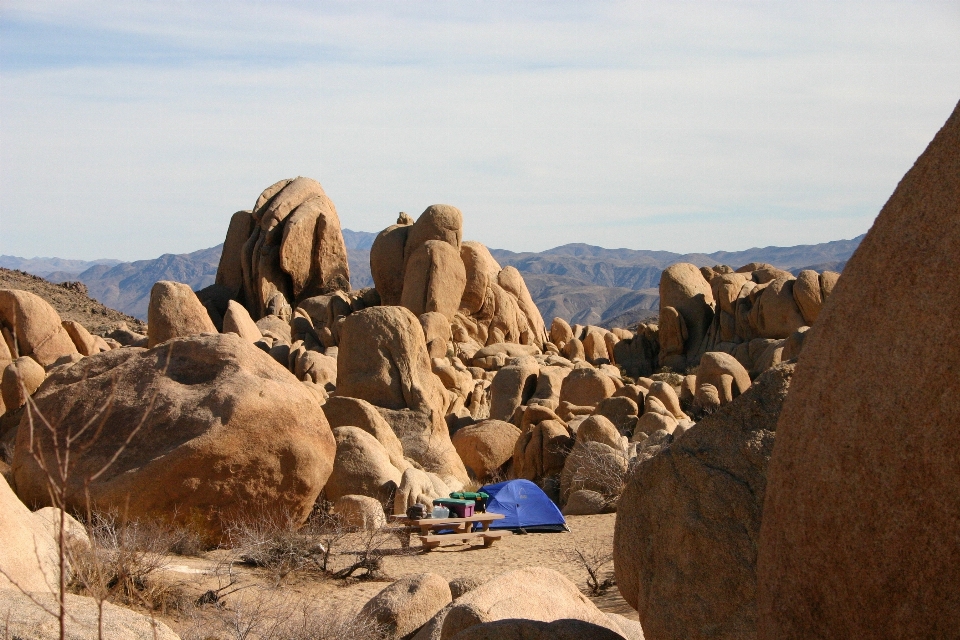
(581, 283)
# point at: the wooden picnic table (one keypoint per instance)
(463, 529)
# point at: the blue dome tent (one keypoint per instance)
(525, 506)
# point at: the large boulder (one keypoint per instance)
(486, 446)
(31, 327)
(512, 386)
(230, 270)
(808, 295)
(85, 343)
(386, 262)
(426, 440)
(512, 282)
(203, 429)
(237, 320)
(418, 487)
(540, 454)
(723, 372)
(408, 604)
(531, 593)
(354, 412)
(777, 313)
(175, 312)
(481, 270)
(360, 512)
(860, 524)
(434, 279)
(27, 616)
(383, 359)
(29, 558)
(585, 387)
(438, 222)
(294, 250)
(20, 379)
(361, 467)
(688, 521)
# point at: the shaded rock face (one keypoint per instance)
(859, 535)
(290, 245)
(222, 431)
(688, 521)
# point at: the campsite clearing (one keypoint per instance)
(551, 550)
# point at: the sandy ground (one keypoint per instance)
(553, 550)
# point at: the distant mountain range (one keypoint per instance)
(582, 283)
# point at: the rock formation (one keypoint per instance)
(688, 521)
(205, 428)
(289, 245)
(860, 524)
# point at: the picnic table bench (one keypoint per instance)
(463, 529)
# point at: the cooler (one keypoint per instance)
(462, 508)
(479, 497)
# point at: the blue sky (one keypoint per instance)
(131, 129)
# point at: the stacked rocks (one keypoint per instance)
(290, 245)
(748, 313)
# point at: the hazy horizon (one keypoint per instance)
(130, 130)
(612, 248)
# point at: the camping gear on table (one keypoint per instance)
(418, 512)
(477, 496)
(440, 512)
(462, 508)
(524, 506)
(438, 531)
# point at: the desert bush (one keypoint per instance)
(121, 562)
(278, 544)
(370, 547)
(271, 615)
(598, 471)
(594, 558)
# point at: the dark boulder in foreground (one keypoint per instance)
(861, 526)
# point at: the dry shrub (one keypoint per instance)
(121, 563)
(276, 543)
(273, 615)
(599, 471)
(594, 558)
(282, 547)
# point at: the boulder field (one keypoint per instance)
(769, 480)
(280, 385)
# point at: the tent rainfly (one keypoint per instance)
(525, 506)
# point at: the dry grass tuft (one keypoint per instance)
(273, 615)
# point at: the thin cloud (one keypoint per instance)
(132, 129)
